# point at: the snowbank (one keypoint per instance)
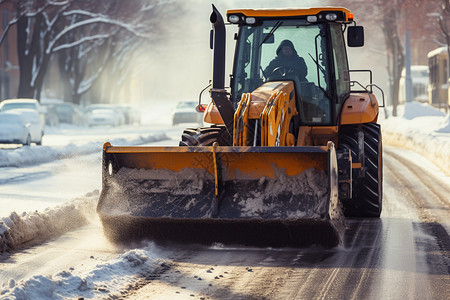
(421, 128)
(34, 155)
(36, 227)
(107, 280)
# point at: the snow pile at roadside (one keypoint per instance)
(36, 227)
(34, 155)
(421, 128)
(106, 280)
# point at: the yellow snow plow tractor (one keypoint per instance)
(292, 147)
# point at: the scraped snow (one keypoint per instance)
(16, 230)
(311, 187)
(103, 280)
(421, 128)
(162, 192)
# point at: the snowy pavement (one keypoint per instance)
(71, 141)
(422, 129)
(418, 127)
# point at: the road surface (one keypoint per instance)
(402, 255)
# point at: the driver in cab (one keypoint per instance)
(287, 63)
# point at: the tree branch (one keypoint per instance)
(89, 22)
(80, 41)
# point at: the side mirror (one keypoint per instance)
(355, 36)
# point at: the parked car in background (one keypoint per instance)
(19, 103)
(131, 114)
(22, 126)
(185, 113)
(14, 129)
(104, 114)
(24, 105)
(51, 116)
(33, 118)
(69, 113)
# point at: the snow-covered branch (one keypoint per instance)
(6, 29)
(83, 13)
(80, 41)
(95, 20)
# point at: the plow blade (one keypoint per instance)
(259, 196)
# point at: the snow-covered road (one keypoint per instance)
(403, 255)
(34, 178)
(379, 258)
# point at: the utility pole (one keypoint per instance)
(408, 79)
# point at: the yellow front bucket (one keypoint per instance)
(276, 196)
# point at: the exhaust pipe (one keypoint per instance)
(219, 49)
(218, 92)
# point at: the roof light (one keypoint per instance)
(350, 17)
(233, 19)
(311, 19)
(250, 20)
(331, 17)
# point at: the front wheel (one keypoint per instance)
(367, 185)
(205, 136)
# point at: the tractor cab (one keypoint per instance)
(316, 62)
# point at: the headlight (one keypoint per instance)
(311, 19)
(331, 16)
(233, 19)
(250, 20)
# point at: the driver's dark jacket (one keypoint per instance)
(294, 62)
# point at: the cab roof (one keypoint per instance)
(292, 12)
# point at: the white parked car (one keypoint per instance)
(23, 103)
(103, 116)
(34, 121)
(131, 114)
(118, 116)
(14, 129)
(185, 113)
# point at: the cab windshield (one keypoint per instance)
(263, 55)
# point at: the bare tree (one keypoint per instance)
(33, 20)
(106, 48)
(394, 17)
(394, 48)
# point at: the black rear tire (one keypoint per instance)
(27, 141)
(367, 189)
(205, 136)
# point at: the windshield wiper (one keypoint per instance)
(317, 64)
(272, 31)
(322, 69)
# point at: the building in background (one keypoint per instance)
(438, 86)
